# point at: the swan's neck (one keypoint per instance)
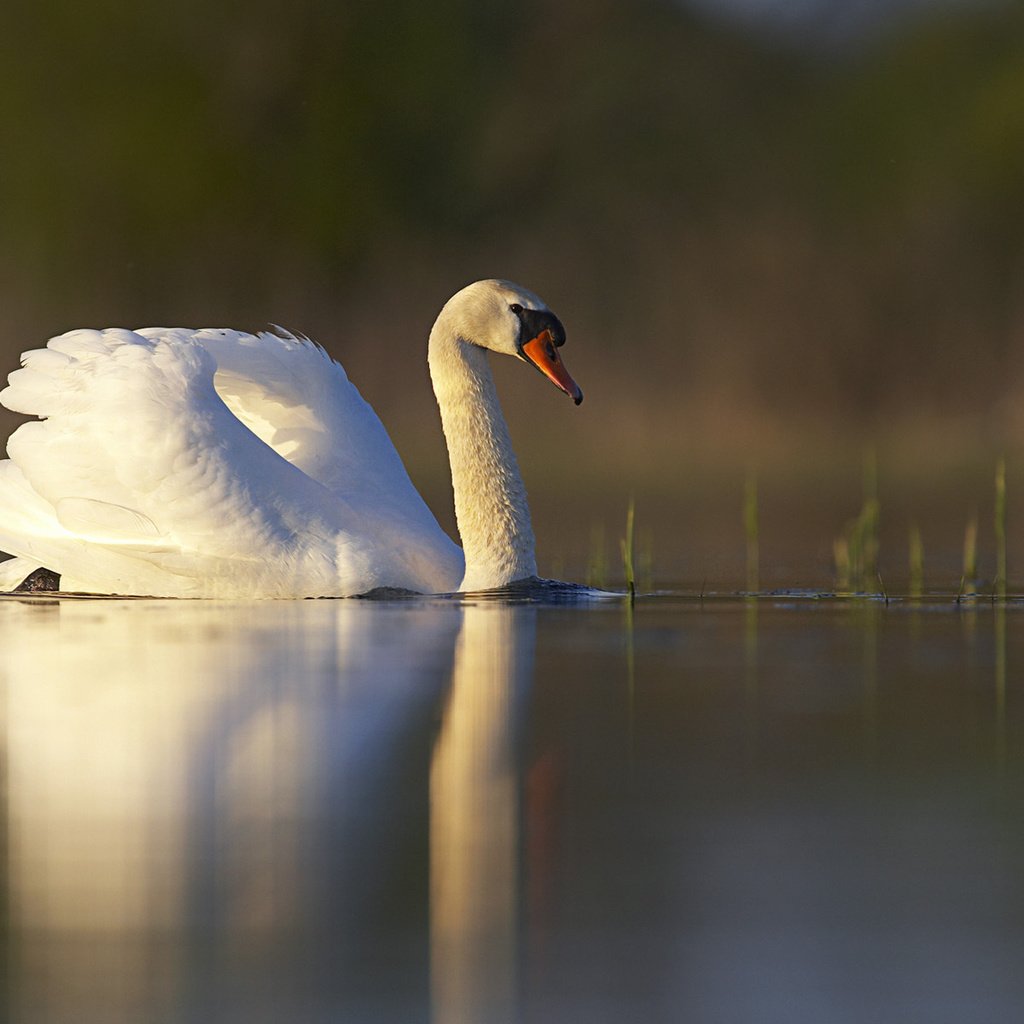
(490, 499)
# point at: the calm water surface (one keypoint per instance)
(783, 809)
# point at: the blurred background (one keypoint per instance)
(780, 235)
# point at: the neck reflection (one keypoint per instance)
(475, 820)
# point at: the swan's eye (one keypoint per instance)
(516, 308)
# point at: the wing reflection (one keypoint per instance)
(246, 812)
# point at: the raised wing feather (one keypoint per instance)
(140, 459)
(297, 399)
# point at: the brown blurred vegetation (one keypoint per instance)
(764, 254)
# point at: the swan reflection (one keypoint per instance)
(267, 811)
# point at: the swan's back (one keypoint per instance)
(209, 463)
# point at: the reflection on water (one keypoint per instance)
(750, 810)
(474, 820)
(220, 813)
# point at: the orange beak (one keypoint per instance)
(543, 354)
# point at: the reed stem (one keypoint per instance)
(1000, 528)
(856, 551)
(971, 549)
(752, 532)
(916, 561)
(627, 549)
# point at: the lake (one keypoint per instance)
(785, 808)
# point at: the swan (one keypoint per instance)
(169, 462)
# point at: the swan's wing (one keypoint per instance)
(297, 399)
(140, 480)
(293, 396)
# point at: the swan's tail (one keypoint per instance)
(27, 526)
(50, 455)
(14, 572)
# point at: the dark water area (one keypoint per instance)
(789, 808)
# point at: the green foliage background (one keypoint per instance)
(750, 242)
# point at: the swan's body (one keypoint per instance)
(179, 463)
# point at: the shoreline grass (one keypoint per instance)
(999, 525)
(626, 546)
(916, 561)
(856, 550)
(970, 574)
(858, 568)
(751, 529)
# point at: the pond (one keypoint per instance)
(785, 808)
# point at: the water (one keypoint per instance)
(786, 809)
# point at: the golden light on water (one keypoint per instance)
(165, 784)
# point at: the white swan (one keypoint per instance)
(212, 463)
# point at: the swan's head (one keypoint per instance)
(506, 318)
